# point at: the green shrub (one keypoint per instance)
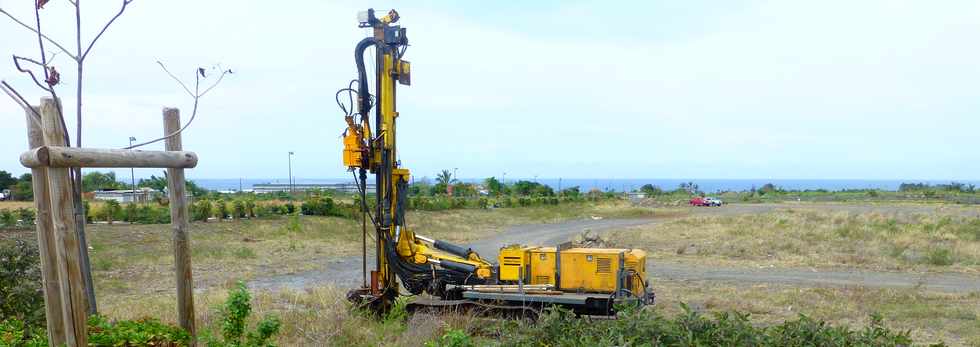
(250, 208)
(88, 212)
(940, 256)
(21, 295)
(221, 208)
(398, 313)
(238, 208)
(27, 217)
(129, 213)
(8, 219)
(15, 332)
(456, 203)
(452, 338)
(636, 326)
(318, 206)
(201, 210)
(111, 211)
(148, 214)
(267, 210)
(101, 332)
(234, 314)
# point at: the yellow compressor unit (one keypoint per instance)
(581, 270)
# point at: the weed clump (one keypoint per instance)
(636, 326)
(234, 315)
(940, 256)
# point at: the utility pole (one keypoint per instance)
(454, 173)
(132, 171)
(290, 172)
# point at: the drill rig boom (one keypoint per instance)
(422, 264)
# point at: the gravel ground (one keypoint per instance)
(347, 271)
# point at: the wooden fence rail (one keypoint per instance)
(105, 158)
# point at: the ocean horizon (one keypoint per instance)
(624, 184)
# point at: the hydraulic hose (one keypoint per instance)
(452, 265)
(363, 94)
(452, 249)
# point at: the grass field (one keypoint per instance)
(133, 268)
(128, 260)
(321, 315)
(798, 236)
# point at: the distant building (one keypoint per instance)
(126, 196)
(636, 195)
(280, 187)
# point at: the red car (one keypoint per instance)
(698, 201)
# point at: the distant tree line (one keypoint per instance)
(445, 185)
(21, 188)
(950, 187)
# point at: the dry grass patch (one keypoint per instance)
(314, 317)
(136, 259)
(900, 240)
(321, 316)
(13, 205)
(931, 317)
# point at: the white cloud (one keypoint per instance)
(786, 89)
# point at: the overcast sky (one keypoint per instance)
(685, 89)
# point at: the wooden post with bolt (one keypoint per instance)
(179, 220)
(74, 307)
(45, 236)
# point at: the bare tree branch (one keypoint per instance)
(31, 73)
(222, 76)
(104, 28)
(29, 60)
(28, 27)
(197, 94)
(79, 65)
(13, 94)
(176, 79)
(35, 117)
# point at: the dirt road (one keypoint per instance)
(347, 271)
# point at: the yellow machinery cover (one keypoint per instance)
(588, 270)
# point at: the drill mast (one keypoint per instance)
(422, 264)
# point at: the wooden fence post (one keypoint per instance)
(45, 236)
(73, 302)
(180, 222)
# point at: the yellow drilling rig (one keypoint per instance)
(587, 280)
